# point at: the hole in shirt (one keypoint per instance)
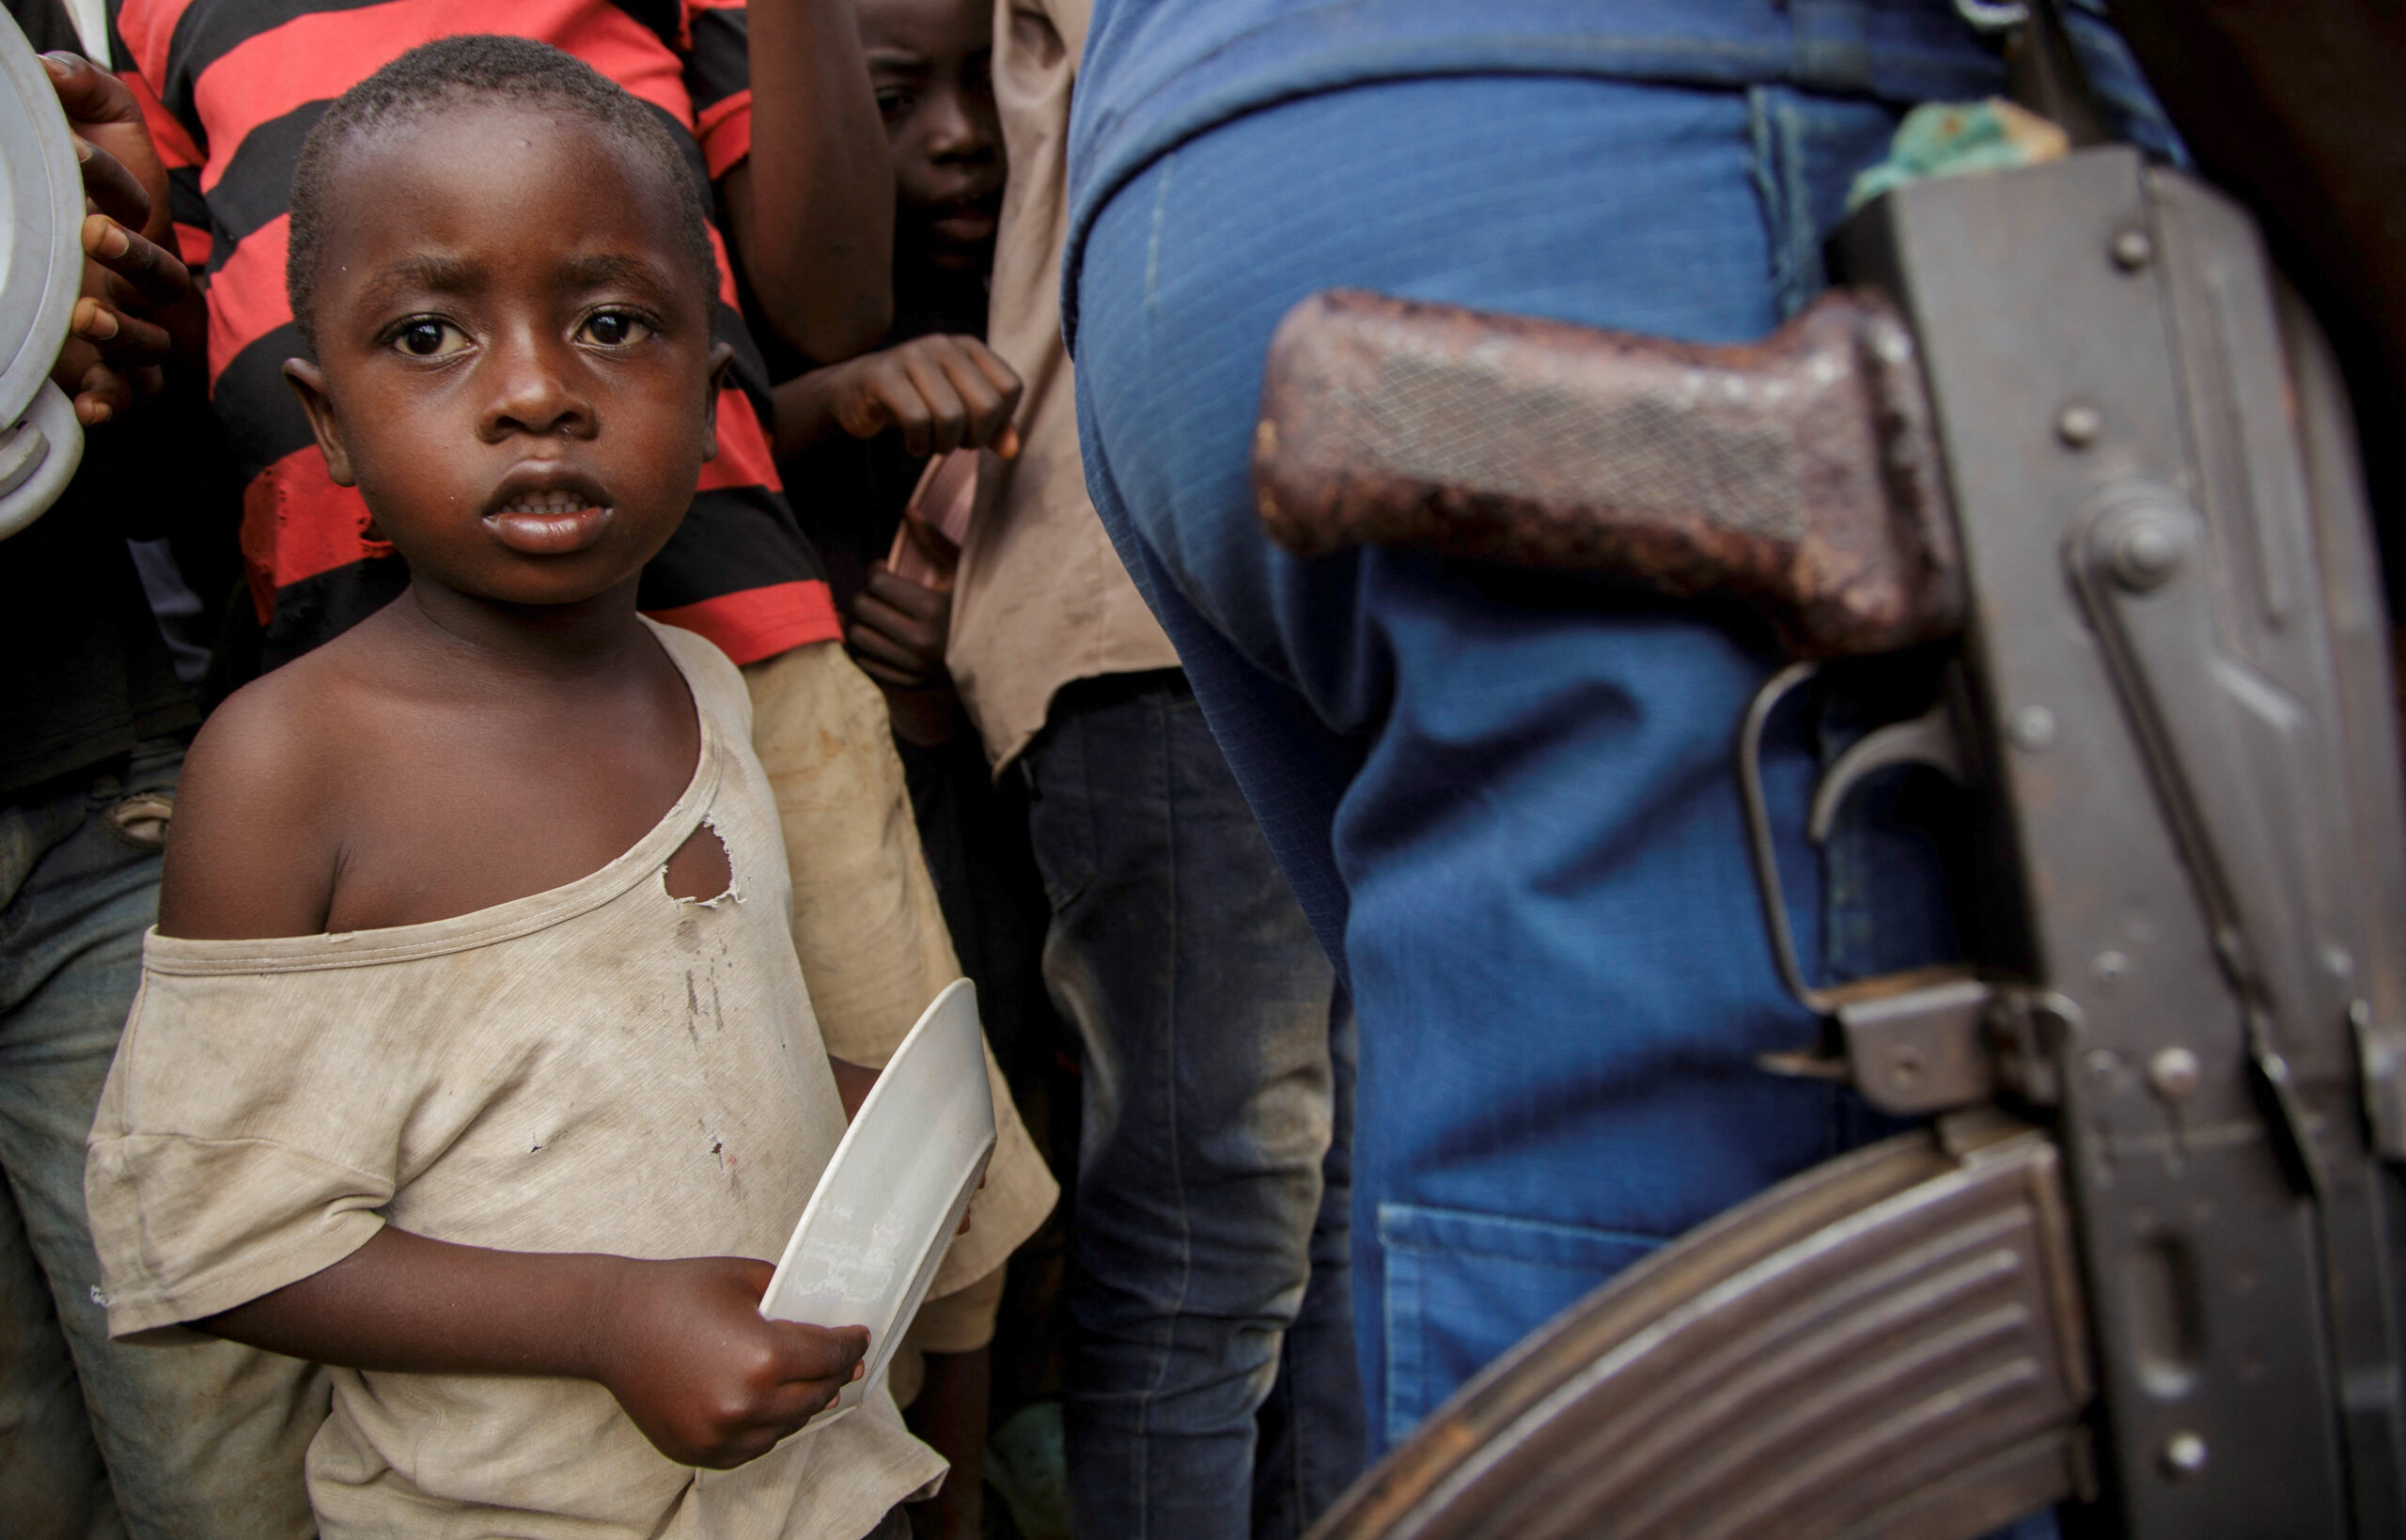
(700, 869)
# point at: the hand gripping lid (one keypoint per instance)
(41, 269)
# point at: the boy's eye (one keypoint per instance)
(893, 104)
(613, 329)
(430, 338)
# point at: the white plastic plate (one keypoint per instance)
(893, 1191)
(41, 267)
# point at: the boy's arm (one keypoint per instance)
(943, 392)
(811, 209)
(681, 1344)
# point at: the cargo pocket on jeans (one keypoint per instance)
(1461, 1287)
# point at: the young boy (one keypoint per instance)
(472, 1058)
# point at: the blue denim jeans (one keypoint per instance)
(1211, 1391)
(198, 1440)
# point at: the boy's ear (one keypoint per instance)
(308, 383)
(722, 356)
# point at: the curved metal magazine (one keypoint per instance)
(1887, 1345)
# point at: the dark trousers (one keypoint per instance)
(1210, 1256)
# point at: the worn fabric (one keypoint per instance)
(98, 1439)
(867, 925)
(1209, 1256)
(960, 1322)
(231, 87)
(601, 1067)
(1040, 599)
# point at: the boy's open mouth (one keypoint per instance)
(967, 220)
(556, 523)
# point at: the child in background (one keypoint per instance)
(857, 435)
(473, 1057)
(936, 386)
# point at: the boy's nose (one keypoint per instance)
(956, 129)
(532, 392)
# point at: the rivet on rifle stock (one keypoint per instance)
(2078, 423)
(2133, 250)
(2174, 1072)
(2184, 1454)
(2032, 728)
(2147, 552)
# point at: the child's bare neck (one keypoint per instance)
(553, 643)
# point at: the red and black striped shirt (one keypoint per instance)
(231, 88)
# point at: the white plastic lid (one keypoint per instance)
(893, 1191)
(41, 269)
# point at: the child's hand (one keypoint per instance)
(117, 352)
(140, 309)
(711, 1383)
(942, 392)
(899, 628)
(126, 178)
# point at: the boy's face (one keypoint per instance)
(932, 62)
(514, 359)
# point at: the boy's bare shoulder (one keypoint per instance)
(253, 847)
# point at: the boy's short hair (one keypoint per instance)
(449, 71)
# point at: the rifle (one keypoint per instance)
(2061, 425)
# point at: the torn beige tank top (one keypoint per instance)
(601, 1067)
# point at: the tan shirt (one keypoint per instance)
(1040, 599)
(601, 1067)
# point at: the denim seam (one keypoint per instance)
(1761, 170)
(1157, 721)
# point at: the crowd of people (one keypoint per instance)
(511, 640)
(982, 762)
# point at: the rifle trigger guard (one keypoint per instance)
(1758, 834)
